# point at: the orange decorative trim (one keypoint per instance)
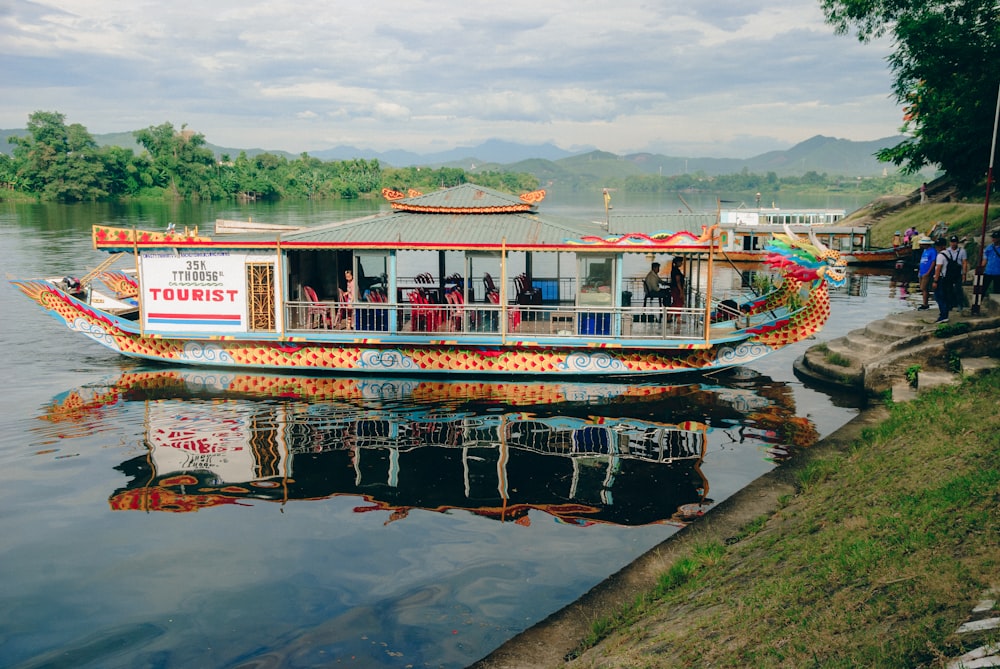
(425, 209)
(105, 235)
(390, 194)
(534, 197)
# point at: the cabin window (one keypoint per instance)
(371, 276)
(260, 296)
(596, 276)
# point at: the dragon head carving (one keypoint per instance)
(806, 260)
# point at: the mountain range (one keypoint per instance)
(821, 154)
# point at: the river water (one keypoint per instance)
(157, 517)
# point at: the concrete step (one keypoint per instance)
(858, 343)
(889, 330)
(933, 378)
(817, 364)
(974, 366)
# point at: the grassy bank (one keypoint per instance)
(876, 560)
(963, 219)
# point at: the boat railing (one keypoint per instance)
(595, 322)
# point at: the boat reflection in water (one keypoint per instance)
(584, 453)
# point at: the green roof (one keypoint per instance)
(463, 215)
(464, 196)
(650, 224)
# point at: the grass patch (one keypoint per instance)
(835, 358)
(875, 562)
(945, 330)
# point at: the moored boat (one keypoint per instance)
(746, 236)
(464, 280)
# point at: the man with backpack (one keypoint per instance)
(950, 269)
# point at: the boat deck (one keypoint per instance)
(550, 322)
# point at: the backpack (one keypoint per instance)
(952, 269)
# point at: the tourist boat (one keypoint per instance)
(745, 236)
(587, 452)
(464, 280)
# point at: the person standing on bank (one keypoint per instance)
(941, 292)
(991, 261)
(957, 255)
(925, 270)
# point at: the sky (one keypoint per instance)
(699, 78)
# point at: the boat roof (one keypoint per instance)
(660, 223)
(402, 228)
(464, 217)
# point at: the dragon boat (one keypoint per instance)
(464, 280)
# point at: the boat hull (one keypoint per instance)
(612, 357)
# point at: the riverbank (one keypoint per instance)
(870, 550)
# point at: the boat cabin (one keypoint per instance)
(464, 262)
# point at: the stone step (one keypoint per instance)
(890, 330)
(817, 364)
(933, 378)
(858, 343)
(974, 366)
(912, 320)
(903, 392)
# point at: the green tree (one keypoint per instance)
(942, 74)
(124, 173)
(180, 161)
(56, 161)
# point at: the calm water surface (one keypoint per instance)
(174, 518)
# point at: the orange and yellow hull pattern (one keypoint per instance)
(375, 356)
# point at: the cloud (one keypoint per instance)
(299, 76)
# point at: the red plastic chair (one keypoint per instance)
(525, 293)
(426, 315)
(490, 286)
(456, 308)
(513, 313)
(318, 314)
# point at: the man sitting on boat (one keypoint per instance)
(656, 287)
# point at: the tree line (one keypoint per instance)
(748, 182)
(63, 163)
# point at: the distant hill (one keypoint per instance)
(493, 151)
(824, 155)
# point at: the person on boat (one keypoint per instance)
(925, 270)
(654, 285)
(991, 266)
(344, 314)
(677, 282)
